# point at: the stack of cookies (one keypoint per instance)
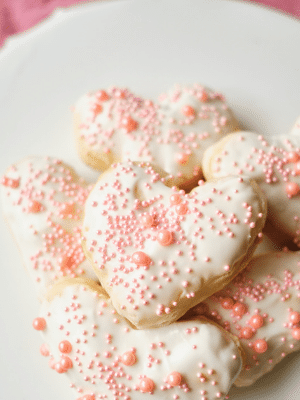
(150, 281)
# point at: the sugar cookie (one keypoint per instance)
(275, 166)
(266, 246)
(114, 125)
(43, 201)
(157, 251)
(262, 307)
(106, 358)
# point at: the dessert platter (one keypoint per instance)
(150, 167)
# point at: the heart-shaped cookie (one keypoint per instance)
(106, 358)
(113, 125)
(43, 201)
(158, 251)
(262, 307)
(275, 166)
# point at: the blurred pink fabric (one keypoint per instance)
(20, 15)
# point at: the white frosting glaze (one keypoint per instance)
(43, 201)
(213, 231)
(173, 133)
(206, 357)
(273, 165)
(269, 288)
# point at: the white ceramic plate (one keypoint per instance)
(246, 51)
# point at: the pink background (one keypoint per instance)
(19, 15)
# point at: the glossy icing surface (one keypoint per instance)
(105, 357)
(274, 164)
(43, 203)
(156, 250)
(173, 51)
(116, 124)
(261, 306)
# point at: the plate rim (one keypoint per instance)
(65, 12)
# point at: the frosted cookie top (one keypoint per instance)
(275, 166)
(43, 201)
(157, 251)
(114, 125)
(262, 307)
(106, 358)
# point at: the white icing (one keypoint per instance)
(163, 131)
(99, 341)
(216, 232)
(49, 243)
(269, 287)
(247, 154)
